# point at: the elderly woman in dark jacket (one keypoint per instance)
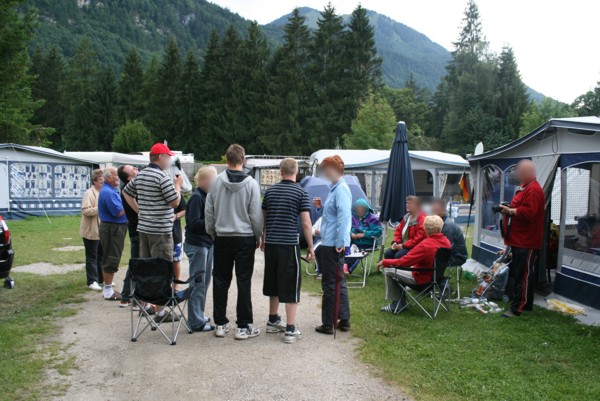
(453, 232)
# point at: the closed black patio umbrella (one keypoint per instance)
(399, 182)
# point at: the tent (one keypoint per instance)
(567, 155)
(38, 181)
(317, 187)
(435, 173)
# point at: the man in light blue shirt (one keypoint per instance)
(335, 238)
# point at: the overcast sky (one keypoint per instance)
(556, 41)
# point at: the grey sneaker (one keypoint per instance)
(246, 333)
(291, 337)
(276, 327)
(222, 330)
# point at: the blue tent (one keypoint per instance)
(400, 182)
(318, 187)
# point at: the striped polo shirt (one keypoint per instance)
(283, 203)
(154, 190)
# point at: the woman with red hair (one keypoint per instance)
(335, 238)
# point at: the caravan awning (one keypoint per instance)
(371, 157)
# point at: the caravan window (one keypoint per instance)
(491, 190)
(583, 209)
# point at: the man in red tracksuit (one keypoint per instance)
(524, 232)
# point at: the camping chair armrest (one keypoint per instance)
(412, 269)
(189, 280)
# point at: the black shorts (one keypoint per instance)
(283, 275)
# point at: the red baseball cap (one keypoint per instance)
(161, 149)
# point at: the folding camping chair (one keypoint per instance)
(153, 282)
(365, 259)
(437, 287)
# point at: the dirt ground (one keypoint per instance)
(112, 368)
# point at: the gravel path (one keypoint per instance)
(200, 366)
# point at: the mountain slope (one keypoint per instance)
(404, 51)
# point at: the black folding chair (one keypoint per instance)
(438, 287)
(153, 282)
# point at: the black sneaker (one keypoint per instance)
(324, 329)
(344, 325)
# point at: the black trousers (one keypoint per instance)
(391, 254)
(330, 261)
(93, 260)
(134, 254)
(522, 275)
(230, 252)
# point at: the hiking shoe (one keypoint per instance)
(246, 332)
(291, 337)
(203, 329)
(509, 314)
(95, 287)
(324, 329)
(124, 304)
(344, 325)
(275, 327)
(222, 330)
(392, 308)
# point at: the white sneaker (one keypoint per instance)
(277, 327)
(222, 330)
(246, 333)
(94, 286)
(291, 337)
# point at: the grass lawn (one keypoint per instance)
(463, 355)
(29, 313)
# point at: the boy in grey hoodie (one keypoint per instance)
(233, 217)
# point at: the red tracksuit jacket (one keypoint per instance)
(416, 233)
(422, 255)
(527, 226)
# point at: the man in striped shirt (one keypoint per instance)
(157, 195)
(282, 205)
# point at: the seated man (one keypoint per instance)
(366, 226)
(410, 230)
(453, 232)
(421, 256)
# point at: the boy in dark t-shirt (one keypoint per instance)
(282, 205)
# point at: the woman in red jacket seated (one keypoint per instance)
(410, 230)
(422, 255)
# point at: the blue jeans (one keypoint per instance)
(201, 261)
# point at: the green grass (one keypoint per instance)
(28, 326)
(463, 355)
(35, 237)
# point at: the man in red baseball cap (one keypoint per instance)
(157, 195)
(161, 149)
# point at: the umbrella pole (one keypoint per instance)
(382, 249)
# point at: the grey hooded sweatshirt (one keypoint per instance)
(233, 206)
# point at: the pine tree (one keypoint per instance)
(210, 145)
(253, 83)
(464, 113)
(79, 92)
(364, 66)
(287, 97)
(189, 107)
(331, 106)
(16, 104)
(131, 101)
(511, 94)
(231, 124)
(104, 109)
(49, 86)
(161, 110)
(588, 104)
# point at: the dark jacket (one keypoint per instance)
(195, 228)
(459, 249)
(132, 216)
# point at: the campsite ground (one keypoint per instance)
(56, 339)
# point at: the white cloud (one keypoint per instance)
(555, 41)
